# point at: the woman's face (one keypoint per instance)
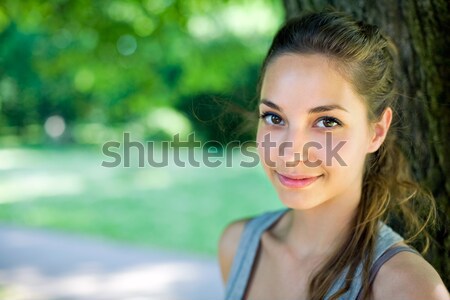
(314, 134)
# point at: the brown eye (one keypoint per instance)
(272, 119)
(275, 119)
(328, 122)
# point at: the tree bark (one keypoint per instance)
(420, 29)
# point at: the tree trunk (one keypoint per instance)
(420, 29)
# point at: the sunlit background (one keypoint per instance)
(75, 75)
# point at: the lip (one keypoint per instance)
(297, 181)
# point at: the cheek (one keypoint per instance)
(268, 143)
(346, 150)
(327, 149)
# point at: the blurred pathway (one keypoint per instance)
(39, 264)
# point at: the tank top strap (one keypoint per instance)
(246, 253)
(383, 252)
(381, 260)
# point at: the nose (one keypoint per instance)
(298, 147)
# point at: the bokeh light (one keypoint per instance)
(55, 126)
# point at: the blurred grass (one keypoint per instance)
(171, 207)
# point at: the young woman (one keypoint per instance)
(326, 104)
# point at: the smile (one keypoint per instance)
(292, 181)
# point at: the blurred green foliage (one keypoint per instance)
(150, 67)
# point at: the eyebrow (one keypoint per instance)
(314, 110)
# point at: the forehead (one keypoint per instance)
(307, 80)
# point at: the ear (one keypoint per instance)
(380, 130)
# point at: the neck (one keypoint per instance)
(321, 230)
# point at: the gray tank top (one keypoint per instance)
(249, 244)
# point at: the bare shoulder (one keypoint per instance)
(228, 244)
(408, 276)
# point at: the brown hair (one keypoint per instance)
(366, 58)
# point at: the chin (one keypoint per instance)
(298, 202)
